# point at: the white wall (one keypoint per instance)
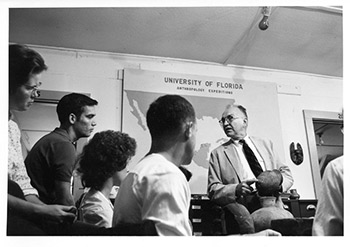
(96, 73)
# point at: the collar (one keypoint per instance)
(63, 133)
(237, 142)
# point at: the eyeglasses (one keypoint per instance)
(228, 118)
(35, 90)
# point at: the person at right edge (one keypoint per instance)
(234, 167)
(329, 216)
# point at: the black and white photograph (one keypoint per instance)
(141, 119)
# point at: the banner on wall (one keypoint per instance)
(209, 96)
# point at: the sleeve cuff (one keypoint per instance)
(30, 191)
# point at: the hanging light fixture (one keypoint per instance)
(264, 23)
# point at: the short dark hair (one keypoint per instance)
(269, 183)
(73, 103)
(23, 62)
(107, 152)
(166, 115)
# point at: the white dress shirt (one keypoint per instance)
(248, 174)
(329, 217)
(155, 189)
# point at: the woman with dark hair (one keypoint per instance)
(102, 165)
(26, 213)
(25, 69)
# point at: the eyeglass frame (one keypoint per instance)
(35, 90)
(227, 118)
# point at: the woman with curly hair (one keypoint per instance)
(102, 165)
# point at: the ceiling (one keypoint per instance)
(302, 39)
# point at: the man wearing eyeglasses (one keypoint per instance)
(234, 166)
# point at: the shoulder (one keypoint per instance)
(222, 147)
(53, 142)
(47, 139)
(56, 136)
(156, 170)
(337, 163)
(335, 167)
(94, 200)
(96, 210)
(155, 163)
(261, 142)
(259, 139)
(12, 124)
(13, 127)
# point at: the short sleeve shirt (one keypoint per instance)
(155, 190)
(16, 169)
(51, 159)
(96, 209)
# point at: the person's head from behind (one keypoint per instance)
(171, 120)
(77, 110)
(234, 121)
(105, 156)
(25, 70)
(269, 183)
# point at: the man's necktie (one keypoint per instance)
(252, 160)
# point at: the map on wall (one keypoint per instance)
(209, 96)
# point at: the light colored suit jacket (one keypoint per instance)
(225, 170)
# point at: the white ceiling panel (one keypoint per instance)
(303, 39)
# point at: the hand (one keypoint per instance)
(267, 232)
(60, 213)
(244, 187)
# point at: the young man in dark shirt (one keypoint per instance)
(51, 161)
